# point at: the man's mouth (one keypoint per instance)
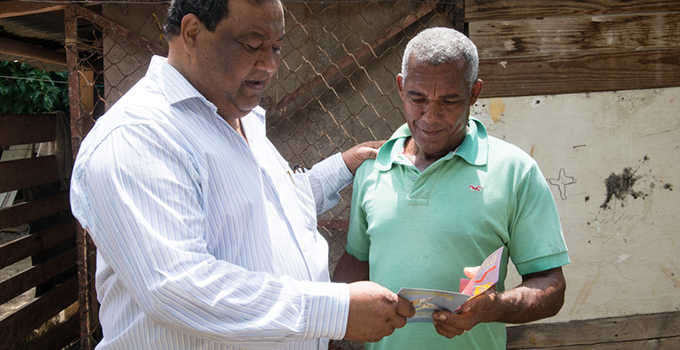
(430, 133)
(257, 85)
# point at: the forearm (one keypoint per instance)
(350, 269)
(540, 295)
(327, 178)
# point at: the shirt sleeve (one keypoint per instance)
(537, 242)
(358, 241)
(140, 199)
(327, 178)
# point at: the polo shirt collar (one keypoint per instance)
(474, 149)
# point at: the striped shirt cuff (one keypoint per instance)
(328, 310)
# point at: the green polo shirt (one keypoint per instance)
(420, 229)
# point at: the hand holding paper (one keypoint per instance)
(426, 301)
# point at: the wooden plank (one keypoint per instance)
(564, 35)
(20, 129)
(637, 328)
(17, 325)
(578, 73)
(37, 274)
(24, 173)
(647, 344)
(26, 246)
(59, 336)
(479, 10)
(23, 49)
(22, 8)
(34, 210)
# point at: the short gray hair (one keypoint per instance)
(442, 45)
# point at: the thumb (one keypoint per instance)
(470, 272)
(405, 308)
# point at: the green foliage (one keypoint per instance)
(24, 89)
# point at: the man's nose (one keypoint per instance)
(431, 112)
(268, 61)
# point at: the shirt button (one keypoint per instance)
(414, 177)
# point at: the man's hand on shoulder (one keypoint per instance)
(374, 312)
(356, 155)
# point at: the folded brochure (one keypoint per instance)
(426, 301)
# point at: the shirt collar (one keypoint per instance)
(172, 83)
(474, 149)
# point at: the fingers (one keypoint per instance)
(446, 325)
(356, 155)
(405, 308)
(470, 272)
(374, 312)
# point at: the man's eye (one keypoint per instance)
(276, 49)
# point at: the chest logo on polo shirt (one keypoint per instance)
(477, 188)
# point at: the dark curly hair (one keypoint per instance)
(209, 12)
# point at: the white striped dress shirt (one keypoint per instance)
(205, 241)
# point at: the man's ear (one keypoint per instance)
(476, 90)
(191, 27)
(400, 83)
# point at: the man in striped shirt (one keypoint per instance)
(206, 238)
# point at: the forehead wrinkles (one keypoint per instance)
(432, 89)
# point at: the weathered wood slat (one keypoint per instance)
(21, 129)
(478, 10)
(58, 337)
(17, 325)
(672, 343)
(558, 36)
(22, 8)
(30, 211)
(636, 330)
(24, 173)
(574, 73)
(26, 246)
(37, 274)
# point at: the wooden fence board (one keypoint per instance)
(557, 36)
(586, 72)
(477, 10)
(635, 330)
(58, 337)
(672, 343)
(37, 274)
(20, 129)
(32, 315)
(26, 246)
(30, 211)
(25, 173)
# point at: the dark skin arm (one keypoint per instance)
(350, 269)
(540, 295)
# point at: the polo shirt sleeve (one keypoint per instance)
(536, 238)
(358, 241)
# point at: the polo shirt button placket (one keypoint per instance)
(414, 177)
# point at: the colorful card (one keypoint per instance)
(426, 301)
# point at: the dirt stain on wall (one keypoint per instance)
(620, 186)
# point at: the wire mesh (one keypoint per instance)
(335, 88)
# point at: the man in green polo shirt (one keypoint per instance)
(442, 195)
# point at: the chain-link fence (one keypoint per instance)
(335, 88)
